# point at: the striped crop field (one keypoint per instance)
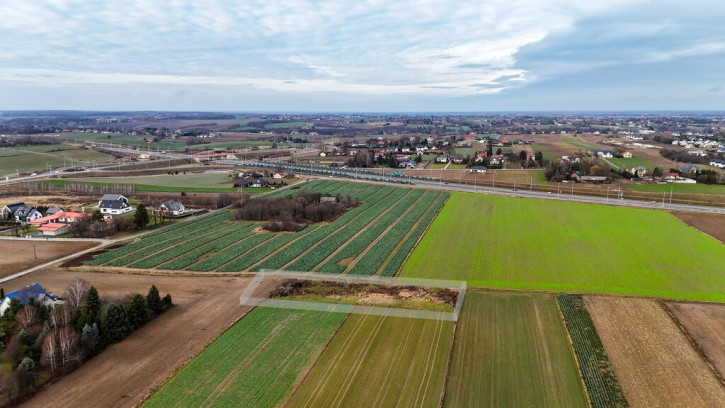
(377, 361)
(257, 362)
(371, 239)
(511, 350)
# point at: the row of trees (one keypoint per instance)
(42, 341)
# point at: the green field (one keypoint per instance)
(257, 362)
(25, 159)
(511, 350)
(370, 239)
(627, 164)
(207, 180)
(714, 189)
(379, 361)
(503, 242)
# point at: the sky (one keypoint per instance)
(362, 55)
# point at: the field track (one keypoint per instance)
(654, 362)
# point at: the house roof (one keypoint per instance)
(172, 205)
(113, 204)
(52, 226)
(53, 210)
(112, 197)
(15, 206)
(28, 292)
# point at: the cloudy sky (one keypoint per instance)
(362, 55)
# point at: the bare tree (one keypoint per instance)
(58, 317)
(67, 340)
(75, 293)
(26, 317)
(50, 351)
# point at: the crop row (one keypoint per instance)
(245, 261)
(197, 227)
(202, 220)
(599, 378)
(376, 256)
(308, 240)
(329, 245)
(218, 245)
(228, 254)
(357, 246)
(185, 246)
(399, 257)
(140, 249)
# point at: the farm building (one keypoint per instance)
(34, 291)
(172, 207)
(627, 154)
(61, 217)
(478, 169)
(114, 204)
(54, 228)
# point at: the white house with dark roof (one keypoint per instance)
(114, 204)
(172, 207)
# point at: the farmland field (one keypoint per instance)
(680, 188)
(706, 325)
(379, 361)
(655, 363)
(372, 238)
(19, 255)
(563, 246)
(34, 158)
(257, 362)
(511, 350)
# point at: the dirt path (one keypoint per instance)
(655, 363)
(129, 371)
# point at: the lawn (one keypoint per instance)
(522, 177)
(257, 362)
(511, 350)
(379, 361)
(627, 164)
(714, 189)
(573, 247)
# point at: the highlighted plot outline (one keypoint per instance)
(247, 298)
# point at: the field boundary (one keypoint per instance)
(247, 299)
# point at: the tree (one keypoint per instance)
(499, 151)
(136, 311)
(93, 305)
(657, 172)
(96, 216)
(167, 301)
(90, 337)
(50, 351)
(67, 341)
(522, 155)
(26, 374)
(58, 317)
(115, 324)
(26, 317)
(154, 300)
(81, 228)
(75, 293)
(141, 217)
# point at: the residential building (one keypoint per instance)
(114, 204)
(172, 207)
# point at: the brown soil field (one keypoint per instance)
(69, 201)
(710, 224)
(125, 374)
(706, 325)
(655, 363)
(18, 254)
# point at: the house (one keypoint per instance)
(260, 182)
(605, 154)
(114, 204)
(718, 163)
(34, 291)
(20, 212)
(690, 168)
(242, 183)
(458, 159)
(592, 179)
(638, 171)
(172, 207)
(61, 217)
(627, 154)
(478, 169)
(52, 210)
(441, 159)
(54, 228)
(328, 199)
(278, 175)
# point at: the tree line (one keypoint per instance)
(292, 213)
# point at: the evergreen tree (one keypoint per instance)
(115, 324)
(167, 301)
(154, 300)
(90, 337)
(136, 311)
(26, 374)
(2, 293)
(141, 217)
(93, 306)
